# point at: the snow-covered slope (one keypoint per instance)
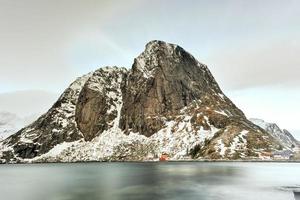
(54, 127)
(283, 136)
(167, 103)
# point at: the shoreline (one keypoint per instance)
(162, 162)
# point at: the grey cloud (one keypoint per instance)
(35, 37)
(46, 44)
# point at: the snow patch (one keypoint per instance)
(222, 112)
(239, 142)
(221, 147)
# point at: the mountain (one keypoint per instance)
(167, 103)
(283, 136)
(10, 123)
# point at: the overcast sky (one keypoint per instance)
(251, 47)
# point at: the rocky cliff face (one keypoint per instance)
(99, 101)
(167, 103)
(164, 79)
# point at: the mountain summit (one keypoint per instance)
(167, 103)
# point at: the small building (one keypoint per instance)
(164, 157)
(283, 155)
(266, 155)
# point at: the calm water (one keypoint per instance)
(153, 181)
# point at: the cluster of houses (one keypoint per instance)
(162, 157)
(278, 155)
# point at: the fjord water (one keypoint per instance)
(116, 181)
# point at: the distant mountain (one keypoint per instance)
(167, 104)
(283, 136)
(10, 123)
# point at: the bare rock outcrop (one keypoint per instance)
(164, 79)
(97, 100)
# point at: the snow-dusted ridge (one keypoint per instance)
(167, 104)
(282, 135)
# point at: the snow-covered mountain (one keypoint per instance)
(10, 123)
(167, 103)
(283, 136)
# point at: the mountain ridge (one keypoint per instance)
(168, 102)
(282, 135)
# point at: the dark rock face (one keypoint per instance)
(90, 113)
(98, 95)
(164, 79)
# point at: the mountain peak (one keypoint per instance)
(151, 58)
(162, 56)
(159, 45)
(167, 103)
(164, 79)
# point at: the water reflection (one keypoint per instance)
(293, 189)
(116, 181)
(297, 195)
